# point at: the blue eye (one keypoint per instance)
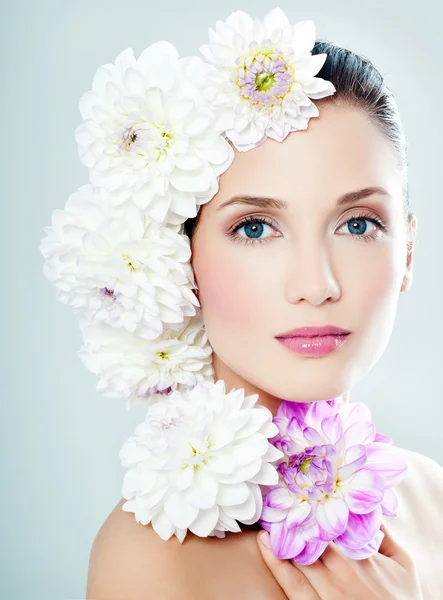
(254, 227)
(357, 226)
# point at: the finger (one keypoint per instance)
(288, 576)
(328, 570)
(392, 549)
(334, 559)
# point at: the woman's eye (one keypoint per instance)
(251, 230)
(359, 226)
(254, 229)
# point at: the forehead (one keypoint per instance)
(341, 150)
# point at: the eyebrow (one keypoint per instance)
(267, 202)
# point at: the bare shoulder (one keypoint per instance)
(419, 526)
(129, 560)
(421, 492)
(423, 470)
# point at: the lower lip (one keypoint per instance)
(314, 346)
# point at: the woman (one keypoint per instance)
(279, 247)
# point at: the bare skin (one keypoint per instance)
(134, 557)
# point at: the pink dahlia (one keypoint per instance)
(335, 481)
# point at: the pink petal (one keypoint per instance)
(318, 411)
(295, 429)
(285, 542)
(332, 428)
(355, 458)
(361, 432)
(273, 515)
(389, 503)
(379, 437)
(279, 498)
(355, 413)
(298, 514)
(368, 550)
(311, 552)
(387, 461)
(290, 409)
(332, 516)
(312, 435)
(363, 492)
(361, 529)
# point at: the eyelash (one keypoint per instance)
(232, 233)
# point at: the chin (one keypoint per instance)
(308, 387)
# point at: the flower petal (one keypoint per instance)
(180, 512)
(286, 543)
(298, 514)
(387, 462)
(361, 432)
(332, 428)
(280, 498)
(389, 503)
(311, 552)
(363, 491)
(332, 516)
(368, 550)
(361, 529)
(205, 522)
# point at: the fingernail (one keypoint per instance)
(265, 539)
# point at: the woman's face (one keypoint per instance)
(316, 262)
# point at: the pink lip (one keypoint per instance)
(314, 346)
(313, 331)
(314, 341)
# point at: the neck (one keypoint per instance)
(234, 380)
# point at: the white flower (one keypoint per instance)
(141, 370)
(120, 268)
(197, 462)
(148, 135)
(264, 77)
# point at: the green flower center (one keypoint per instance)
(264, 81)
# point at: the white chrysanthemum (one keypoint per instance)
(265, 77)
(197, 462)
(120, 268)
(149, 136)
(141, 370)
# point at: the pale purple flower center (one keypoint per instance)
(264, 79)
(166, 391)
(108, 295)
(311, 473)
(147, 139)
(164, 423)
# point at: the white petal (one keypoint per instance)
(205, 521)
(303, 37)
(163, 526)
(230, 495)
(266, 476)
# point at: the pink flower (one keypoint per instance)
(335, 481)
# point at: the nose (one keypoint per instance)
(311, 275)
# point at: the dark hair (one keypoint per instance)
(358, 84)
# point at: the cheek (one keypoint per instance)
(230, 285)
(377, 292)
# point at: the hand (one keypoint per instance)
(388, 575)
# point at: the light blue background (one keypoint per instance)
(61, 438)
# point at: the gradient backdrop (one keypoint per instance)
(60, 440)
